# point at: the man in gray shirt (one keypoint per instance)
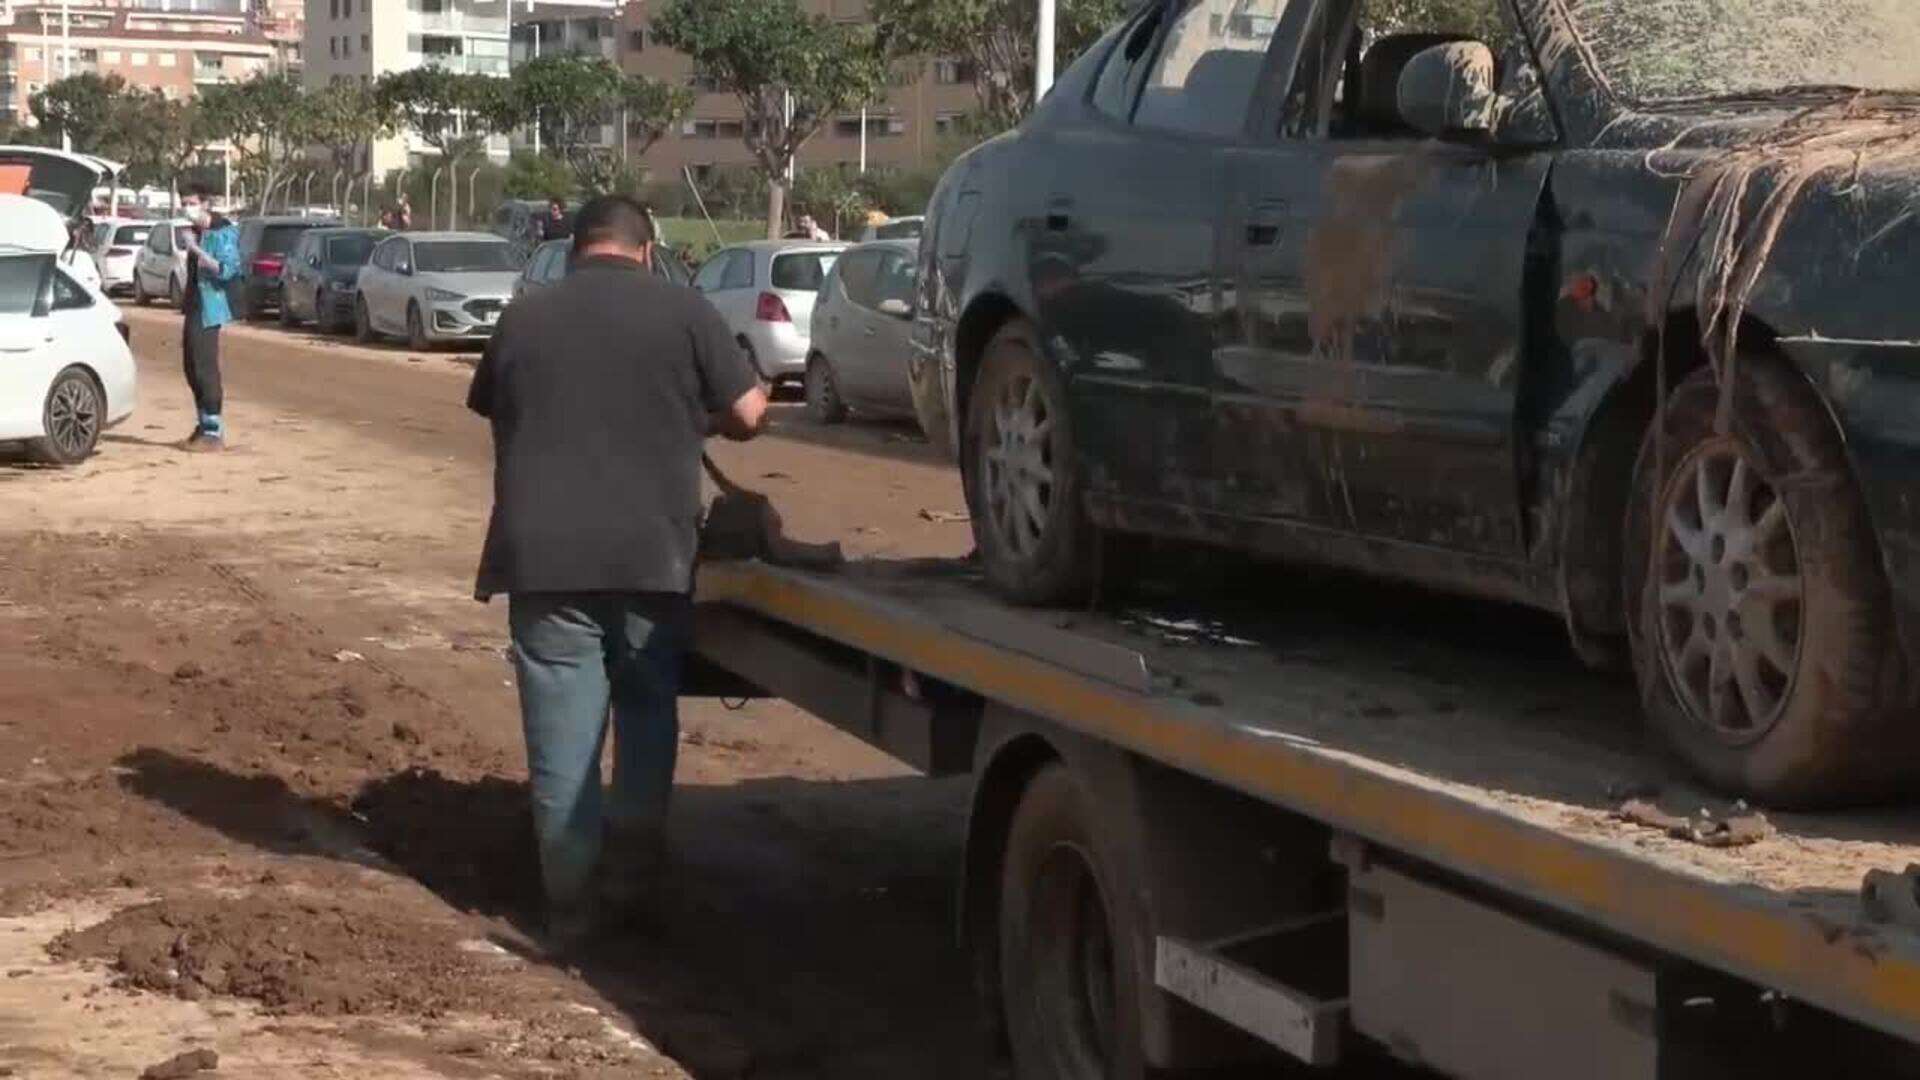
(601, 391)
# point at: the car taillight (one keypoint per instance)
(268, 264)
(117, 252)
(771, 309)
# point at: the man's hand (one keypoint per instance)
(743, 418)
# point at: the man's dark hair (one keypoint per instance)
(619, 219)
(555, 200)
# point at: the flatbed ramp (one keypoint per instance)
(1509, 774)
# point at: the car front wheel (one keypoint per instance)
(1022, 475)
(1761, 619)
(417, 338)
(73, 416)
(824, 404)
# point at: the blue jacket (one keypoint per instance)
(222, 243)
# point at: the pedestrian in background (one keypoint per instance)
(601, 391)
(555, 225)
(213, 263)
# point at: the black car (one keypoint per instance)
(1574, 305)
(264, 244)
(322, 275)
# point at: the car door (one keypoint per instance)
(156, 260)
(302, 273)
(380, 285)
(840, 323)
(891, 341)
(1378, 353)
(732, 289)
(1128, 255)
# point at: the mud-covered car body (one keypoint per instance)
(1433, 358)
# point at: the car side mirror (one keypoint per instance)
(1448, 91)
(895, 307)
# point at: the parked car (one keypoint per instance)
(67, 372)
(116, 245)
(766, 291)
(522, 222)
(264, 245)
(900, 228)
(322, 276)
(1330, 291)
(160, 265)
(862, 341)
(549, 264)
(435, 287)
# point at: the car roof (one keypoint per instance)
(900, 243)
(770, 247)
(330, 231)
(288, 219)
(494, 238)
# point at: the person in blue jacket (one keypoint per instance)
(213, 262)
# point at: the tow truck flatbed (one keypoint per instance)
(1502, 780)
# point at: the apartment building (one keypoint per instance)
(174, 46)
(901, 128)
(360, 40)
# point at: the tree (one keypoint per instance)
(88, 109)
(346, 120)
(993, 39)
(453, 112)
(166, 136)
(830, 198)
(792, 71)
(537, 176)
(269, 121)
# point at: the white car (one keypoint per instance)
(432, 287)
(116, 244)
(766, 291)
(66, 371)
(160, 266)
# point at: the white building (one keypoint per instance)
(360, 40)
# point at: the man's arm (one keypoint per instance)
(735, 399)
(480, 394)
(741, 420)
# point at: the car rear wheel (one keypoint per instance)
(176, 293)
(140, 296)
(323, 316)
(1761, 619)
(1022, 475)
(74, 415)
(363, 323)
(824, 404)
(417, 330)
(286, 310)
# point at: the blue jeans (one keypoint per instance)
(576, 654)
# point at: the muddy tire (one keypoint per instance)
(287, 320)
(176, 292)
(363, 323)
(1759, 614)
(140, 295)
(1068, 980)
(73, 416)
(1022, 475)
(824, 403)
(417, 339)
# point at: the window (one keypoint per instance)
(1209, 66)
(1125, 66)
(384, 255)
(346, 8)
(166, 59)
(712, 271)
(110, 56)
(739, 271)
(22, 280)
(333, 10)
(952, 72)
(68, 295)
(132, 235)
(366, 43)
(636, 41)
(948, 123)
(349, 250)
(138, 59)
(856, 273)
(333, 47)
(895, 281)
(463, 256)
(802, 271)
(157, 241)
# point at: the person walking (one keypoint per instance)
(213, 263)
(601, 391)
(556, 226)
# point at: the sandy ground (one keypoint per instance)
(261, 776)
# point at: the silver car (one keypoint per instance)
(435, 287)
(160, 265)
(766, 292)
(862, 340)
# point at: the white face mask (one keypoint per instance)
(199, 215)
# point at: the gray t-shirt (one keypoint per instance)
(600, 390)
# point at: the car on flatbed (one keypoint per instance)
(1617, 323)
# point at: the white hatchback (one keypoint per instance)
(66, 371)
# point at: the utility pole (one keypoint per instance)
(1043, 51)
(863, 140)
(536, 56)
(66, 63)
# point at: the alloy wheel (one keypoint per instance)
(1019, 474)
(1730, 590)
(73, 417)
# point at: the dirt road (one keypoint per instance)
(260, 773)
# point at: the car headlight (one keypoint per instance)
(438, 295)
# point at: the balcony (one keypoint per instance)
(462, 64)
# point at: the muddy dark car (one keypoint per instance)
(1601, 307)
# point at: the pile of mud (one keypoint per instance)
(311, 956)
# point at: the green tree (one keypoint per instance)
(346, 120)
(994, 40)
(791, 70)
(89, 109)
(269, 121)
(650, 108)
(538, 176)
(167, 137)
(453, 112)
(831, 198)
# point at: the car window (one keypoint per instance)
(180, 233)
(738, 273)
(895, 279)
(1209, 66)
(132, 235)
(708, 278)
(1360, 62)
(352, 250)
(388, 254)
(1120, 75)
(279, 239)
(666, 264)
(899, 230)
(157, 241)
(463, 256)
(856, 276)
(22, 280)
(802, 271)
(68, 295)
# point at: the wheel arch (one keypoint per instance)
(983, 318)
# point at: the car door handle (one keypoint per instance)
(1264, 223)
(1059, 214)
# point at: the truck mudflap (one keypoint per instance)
(1254, 725)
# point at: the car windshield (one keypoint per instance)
(350, 250)
(897, 230)
(21, 278)
(463, 256)
(1654, 51)
(132, 235)
(802, 271)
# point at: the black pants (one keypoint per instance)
(200, 352)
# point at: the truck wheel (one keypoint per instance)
(1759, 613)
(1022, 475)
(824, 404)
(1067, 973)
